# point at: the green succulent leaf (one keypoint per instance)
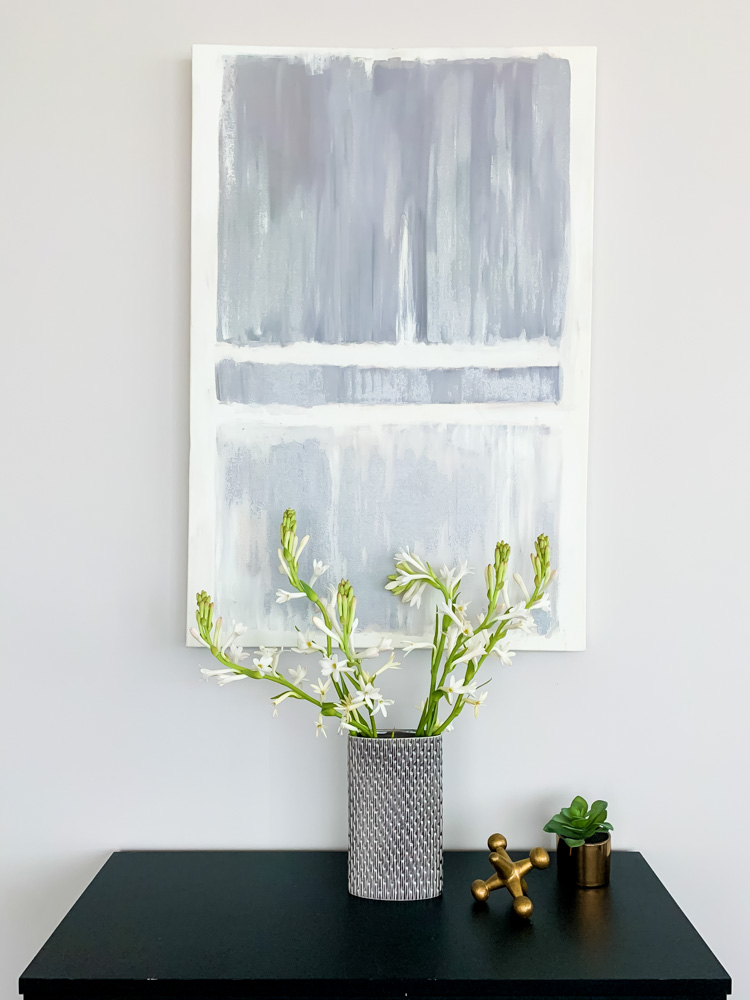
(579, 806)
(574, 843)
(606, 826)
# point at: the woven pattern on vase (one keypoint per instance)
(396, 817)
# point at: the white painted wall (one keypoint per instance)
(108, 738)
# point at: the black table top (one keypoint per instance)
(236, 924)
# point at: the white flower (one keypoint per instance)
(349, 704)
(409, 647)
(277, 700)
(196, 635)
(477, 701)
(265, 664)
(321, 688)
(318, 570)
(413, 562)
(519, 617)
(475, 647)
(450, 577)
(229, 679)
(320, 728)
(367, 654)
(320, 624)
(390, 664)
(369, 694)
(503, 653)
(345, 728)
(298, 546)
(380, 704)
(208, 674)
(519, 580)
(282, 596)
(451, 637)
(236, 632)
(413, 594)
(307, 643)
(543, 604)
(331, 666)
(413, 574)
(461, 623)
(237, 654)
(297, 674)
(453, 687)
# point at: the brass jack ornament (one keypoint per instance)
(510, 875)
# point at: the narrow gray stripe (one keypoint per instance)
(316, 385)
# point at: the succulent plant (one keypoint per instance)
(577, 823)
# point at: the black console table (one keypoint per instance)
(231, 925)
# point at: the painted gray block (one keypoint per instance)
(316, 385)
(418, 201)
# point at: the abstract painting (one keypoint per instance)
(390, 330)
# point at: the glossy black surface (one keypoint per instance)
(238, 924)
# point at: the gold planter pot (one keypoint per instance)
(586, 866)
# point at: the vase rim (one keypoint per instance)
(397, 734)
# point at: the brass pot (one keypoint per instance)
(586, 866)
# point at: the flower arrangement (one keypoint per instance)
(346, 689)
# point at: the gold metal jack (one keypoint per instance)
(510, 874)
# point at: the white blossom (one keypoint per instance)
(475, 647)
(196, 635)
(462, 624)
(320, 728)
(503, 653)
(265, 664)
(367, 654)
(543, 604)
(237, 653)
(369, 694)
(477, 701)
(349, 704)
(298, 546)
(307, 643)
(413, 574)
(237, 630)
(318, 570)
(390, 664)
(282, 596)
(451, 637)
(331, 666)
(277, 700)
(409, 647)
(452, 688)
(208, 674)
(227, 679)
(321, 688)
(380, 703)
(320, 624)
(519, 580)
(450, 577)
(297, 674)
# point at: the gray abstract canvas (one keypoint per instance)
(391, 308)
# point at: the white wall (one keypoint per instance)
(109, 740)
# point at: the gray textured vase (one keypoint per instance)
(396, 816)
